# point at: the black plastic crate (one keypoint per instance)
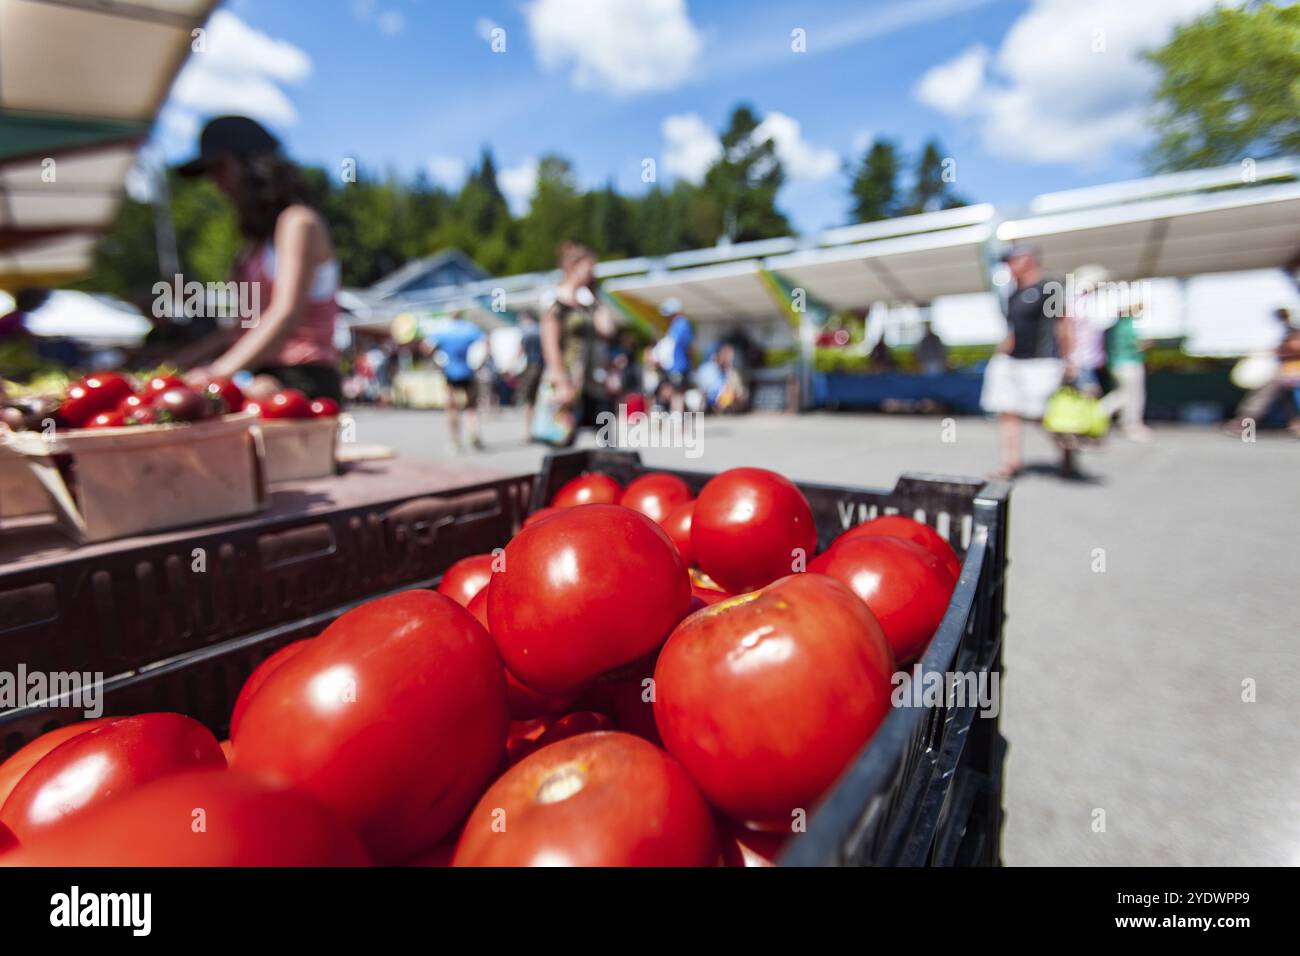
(925, 791)
(118, 611)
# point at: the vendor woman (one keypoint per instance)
(287, 258)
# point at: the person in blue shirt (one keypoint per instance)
(451, 346)
(673, 354)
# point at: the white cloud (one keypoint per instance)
(801, 159)
(1067, 84)
(391, 22)
(862, 141)
(239, 70)
(954, 87)
(518, 183)
(621, 46)
(449, 171)
(691, 146)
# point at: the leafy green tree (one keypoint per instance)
(1229, 88)
(742, 185)
(932, 186)
(874, 185)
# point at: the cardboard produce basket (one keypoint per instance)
(299, 449)
(21, 494)
(108, 483)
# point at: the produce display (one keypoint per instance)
(118, 400)
(639, 677)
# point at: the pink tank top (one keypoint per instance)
(311, 340)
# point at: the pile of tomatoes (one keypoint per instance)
(115, 400)
(639, 677)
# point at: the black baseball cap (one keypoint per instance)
(1020, 249)
(229, 136)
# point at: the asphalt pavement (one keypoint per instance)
(1144, 607)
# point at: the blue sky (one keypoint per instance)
(1027, 96)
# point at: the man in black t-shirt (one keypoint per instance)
(1036, 340)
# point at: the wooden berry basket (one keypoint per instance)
(299, 449)
(108, 483)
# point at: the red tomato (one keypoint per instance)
(589, 488)
(254, 407)
(16, 767)
(599, 799)
(105, 761)
(181, 404)
(765, 698)
(909, 530)
(466, 578)
(394, 717)
(906, 587)
(228, 749)
(751, 527)
(539, 515)
(324, 408)
(289, 403)
(256, 679)
(584, 592)
(522, 702)
(161, 383)
(678, 526)
(198, 818)
(7, 839)
(100, 392)
(113, 419)
(131, 404)
(655, 495)
(229, 393)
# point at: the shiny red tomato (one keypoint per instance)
(100, 392)
(181, 404)
(324, 408)
(232, 398)
(132, 403)
(287, 404)
(254, 407)
(906, 587)
(751, 527)
(655, 495)
(539, 515)
(161, 383)
(678, 526)
(589, 488)
(7, 839)
(522, 702)
(256, 679)
(766, 697)
(198, 818)
(599, 799)
(588, 590)
(113, 419)
(466, 578)
(394, 717)
(105, 762)
(909, 530)
(16, 767)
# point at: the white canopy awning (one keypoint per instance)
(1255, 227)
(717, 293)
(80, 84)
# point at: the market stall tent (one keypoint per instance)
(80, 85)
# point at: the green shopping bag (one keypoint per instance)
(1071, 412)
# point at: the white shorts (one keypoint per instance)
(1020, 386)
